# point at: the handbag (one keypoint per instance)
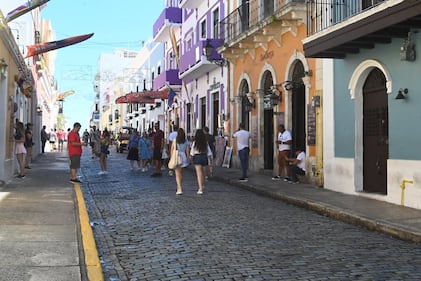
(175, 159)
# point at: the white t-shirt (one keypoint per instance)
(284, 137)
(302, 160)
(172, 136)
(242, 137)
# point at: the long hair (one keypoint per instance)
(21, 129)
(200, 142)
(181, 136)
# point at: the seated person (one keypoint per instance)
(297, 166)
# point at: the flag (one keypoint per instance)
(24, 8)
(171, 97)
(49, 46)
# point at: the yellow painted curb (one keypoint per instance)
(93, 265)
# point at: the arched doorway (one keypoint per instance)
(245, 119)
(298, 109)
(268, 133)
(375, 133)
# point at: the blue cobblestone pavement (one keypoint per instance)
(144, 231)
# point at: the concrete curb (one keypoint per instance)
(93, 265)
(329, 211)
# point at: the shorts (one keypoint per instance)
(157, 153)
(200, 159)
(75, 162)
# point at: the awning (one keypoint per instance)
(142, 97)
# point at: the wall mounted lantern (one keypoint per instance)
(39, 110)
(3, 68)
(249, 102)
(116, 114)
(274, 96)
(401, 94)
(209, 50)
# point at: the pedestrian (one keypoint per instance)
(85, 136)
(284, 142)
(28, 145)
(133, 147)
(243, 138)
(297, 165)
(144, 151)
(94, 138)
(20, 150)
(182, 145)
(61, 135)
(158, 147)
(211, 141)
(52, 138)
(44, 138)
(171, 137)
(105, 143)
(75, 151)
(200, 151)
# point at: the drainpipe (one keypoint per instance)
(403, 190)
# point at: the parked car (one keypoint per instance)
(122, 140)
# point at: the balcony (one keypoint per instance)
(189, 4)
(337, 29)
(194, 63)
(254, 24)
(171, 16)
(168, 77)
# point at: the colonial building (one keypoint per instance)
(271, 80)
(23, 94)
(370, 88)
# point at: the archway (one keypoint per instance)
(298, 107)
(375, 133)
(268, 141)
(244, 117)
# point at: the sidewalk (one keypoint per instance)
(39, 224)
(401, 222)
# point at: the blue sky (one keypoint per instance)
(115, 24)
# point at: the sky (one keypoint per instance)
(115, 24)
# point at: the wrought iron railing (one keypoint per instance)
(249, 15)
(322, 14)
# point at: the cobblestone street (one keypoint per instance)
(144, 231)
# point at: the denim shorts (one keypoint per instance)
(200, 159)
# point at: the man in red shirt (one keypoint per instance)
(75, 151)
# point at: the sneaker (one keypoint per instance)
(199, 192)
(276, 178)
(179, 193)
(100, 173)
(75, 181)
(287, 179)
(243, 179)
(20, 176)
(27, 167)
